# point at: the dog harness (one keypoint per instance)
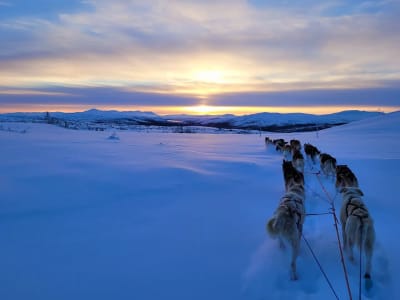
(356, 209)
(298, 203)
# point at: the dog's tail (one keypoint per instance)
(275, 226)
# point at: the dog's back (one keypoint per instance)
(279, 145)
(295, 145)
(311, 151)
(328, 164)
(298, 161)
(287, 222)
(268, 141)
(345, 177)
(357, 226)
(291, 175)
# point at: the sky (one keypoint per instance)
(228, 56)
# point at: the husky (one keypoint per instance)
(279, 144)
(295, 145)
(278, 141)
(357, 227)
(287, 152)
(268, 141)
(345, 177)
(328, 164)
(311, 152)
(298, 161)
(287, 223)
(291, 175)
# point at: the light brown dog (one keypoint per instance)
(357, 227)
(287, 223)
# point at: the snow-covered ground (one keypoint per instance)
(181, 216)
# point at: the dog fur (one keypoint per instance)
(287, 152)
(295, 145)
(291, 175)
(279, 144)
(287, 223)
(298, 161)
(328, 164)
(268, 141)
(357, 226)
(345, 177)
(312, 152)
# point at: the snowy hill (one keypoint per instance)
(95, 114)
(89, 115)
(261, 121)
(180, 216)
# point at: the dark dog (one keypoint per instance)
(287, 152)
(295, 145)
(291, 175)
(328, 164)
(268, 141)
(298, 161)
(345, 177)
(279, 144)
(311, 152)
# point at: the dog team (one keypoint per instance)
(287, 221)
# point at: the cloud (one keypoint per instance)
(162, 47)
(383, 97)
(91, 96)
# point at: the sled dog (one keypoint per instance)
(345, 177)
(287, 223)
(328, 164)
(295, 145)
(357, 226)
(291, 176)
(298, 161)
(311, 152)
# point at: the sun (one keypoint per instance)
(209, 76)
(209, 109)
(202, 109)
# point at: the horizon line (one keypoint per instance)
(198, 110)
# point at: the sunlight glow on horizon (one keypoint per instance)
(185, 56)
(196, 110)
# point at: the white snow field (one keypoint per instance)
(182, 216)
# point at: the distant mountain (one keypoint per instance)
(276, 121)
(97, 115)
(94, 118)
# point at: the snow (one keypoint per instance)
(266, 119)
(252, 120)
(181, 216)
